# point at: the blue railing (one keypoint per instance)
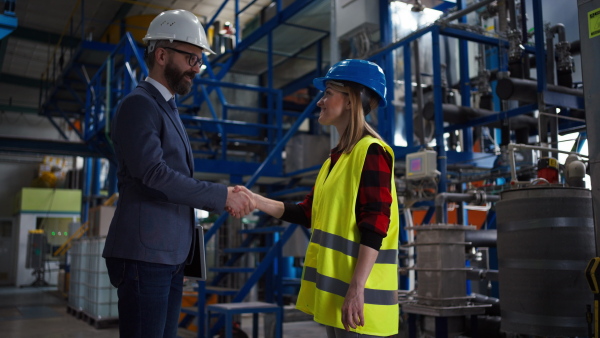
(117, 76)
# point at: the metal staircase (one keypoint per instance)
(268, 270)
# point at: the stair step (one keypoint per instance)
(221, 291)
(232, 269)
(186, 333)
(245, 307)
(290, 281)
(262, 230)
(191, 310)
(242, 250)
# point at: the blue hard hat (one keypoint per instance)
(364, 72)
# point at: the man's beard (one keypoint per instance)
(175, 79)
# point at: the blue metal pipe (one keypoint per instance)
(465, 88)
(270, 83)
(87, 188)
(439, 118)
(237, 22)
(387, 125)
(408, 97)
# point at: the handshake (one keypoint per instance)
(240, 201)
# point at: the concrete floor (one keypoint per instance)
(42, 313)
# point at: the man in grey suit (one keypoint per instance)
(151, 235)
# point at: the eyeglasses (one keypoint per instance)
(193, 59)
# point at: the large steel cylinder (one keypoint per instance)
(545, 240)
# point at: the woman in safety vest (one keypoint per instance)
(350, 281)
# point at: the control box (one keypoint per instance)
(421, 164)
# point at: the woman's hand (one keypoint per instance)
(352, 309)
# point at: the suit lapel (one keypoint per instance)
(175, 119)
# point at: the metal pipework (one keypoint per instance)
(559, 29)
(481, 274)
(509, 88)
(461, 114)
(564, 62)
(475, 196)
(466, 11)
(511, 158)
(482, 238)
(482, 299)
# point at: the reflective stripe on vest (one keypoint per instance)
(350, 248)
(337, 287)
(333, 249)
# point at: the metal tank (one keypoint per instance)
(545, 240)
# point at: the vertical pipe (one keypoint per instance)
(541, 70)
(437, 99)
(319, 59)
(86, 191)
(524, 32)
(524, 40)
(512, 14)
(502, 17)
(549, 57)
(279, 111)
(388, 126)
(421, 122)
(270, 95)
(108, 102)
(96, 178)
(237, 23)
(82, 20)
(540, 54)
(408, 97)
(465, 89)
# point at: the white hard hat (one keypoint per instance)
(178, 25)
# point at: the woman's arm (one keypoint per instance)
(269, 206)
(289, 212)
(352, 309)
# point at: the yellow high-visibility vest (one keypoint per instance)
(333, 250)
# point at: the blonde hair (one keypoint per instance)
(357, 127)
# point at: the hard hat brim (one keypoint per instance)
(321, 84)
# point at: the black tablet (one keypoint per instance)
(197, 269)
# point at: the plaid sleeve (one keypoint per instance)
(374, 196)
(299, 213)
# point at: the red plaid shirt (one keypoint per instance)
(373, 202)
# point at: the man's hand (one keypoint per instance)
(240, 201)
